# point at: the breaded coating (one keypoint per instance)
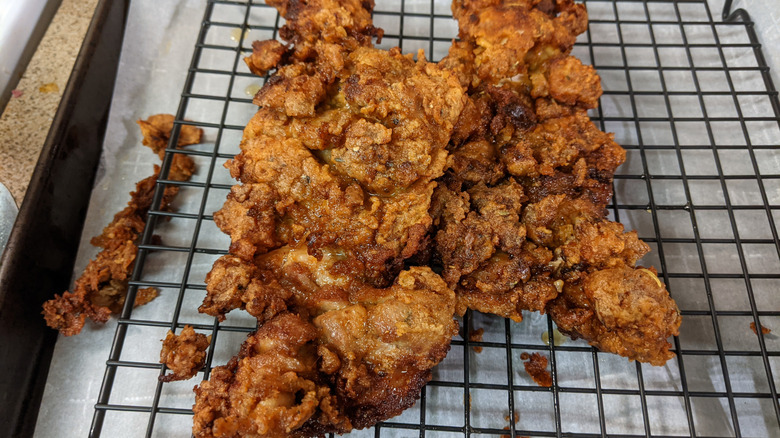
(315, 28)
(521, 214)
(345, 165)
(621, 310)
(156, 131)
(102, 287)
(342, 359)
(516, 37)
(336, 176)
(184, 354)
(266, 55)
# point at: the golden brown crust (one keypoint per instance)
(266, 55)
(337, 172)
(345, 165)
(156, 131)
(521, 212)
(102, 287)
(621, 310)
(184, 354)
(340, 361)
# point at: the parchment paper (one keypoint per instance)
(157, 49)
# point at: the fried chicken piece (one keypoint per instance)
(266, 55)
(346, 165)
(605, 299)
(315, 28)
(337, 172)
(184, 354)
(521, 212)
(343, 359)
(102, 287)
(504, 32)
(621, 310)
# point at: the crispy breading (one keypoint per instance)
(336, 175)
(156, 131)
(521, 213)
(339, 358)
(266, 55)
(184, 354)
(102, 287)
(345, 165)
(315, 28)
(621, 310)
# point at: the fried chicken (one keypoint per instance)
(102, 287)
(340, 359)
(521, 214)
(342, 154)
(535, 365)
(315, 28)
(336, 175)
(184, 354)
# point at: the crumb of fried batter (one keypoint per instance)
(102, 287)
(516, 436)
(764, 330)
(507, 428)
(536, 366)
(156, 131)
(184, 354)
(476, 336)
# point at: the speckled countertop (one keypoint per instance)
(26, 119)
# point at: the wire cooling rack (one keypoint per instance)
(689, 97)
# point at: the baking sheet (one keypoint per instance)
(157, 50)
(155, 56)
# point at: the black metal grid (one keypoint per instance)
(690, 99)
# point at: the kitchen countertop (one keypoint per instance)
(25, 122)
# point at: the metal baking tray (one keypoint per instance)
(41, 249)
(688, 94)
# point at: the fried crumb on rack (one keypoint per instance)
(102, 287)
(764, 330)
(510, 436)
(184, 354)
(536, 366)
(508, 418)
(476, 336)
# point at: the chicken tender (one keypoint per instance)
(336, 176)
(521, 214)
(340, 360)
(346, 166)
